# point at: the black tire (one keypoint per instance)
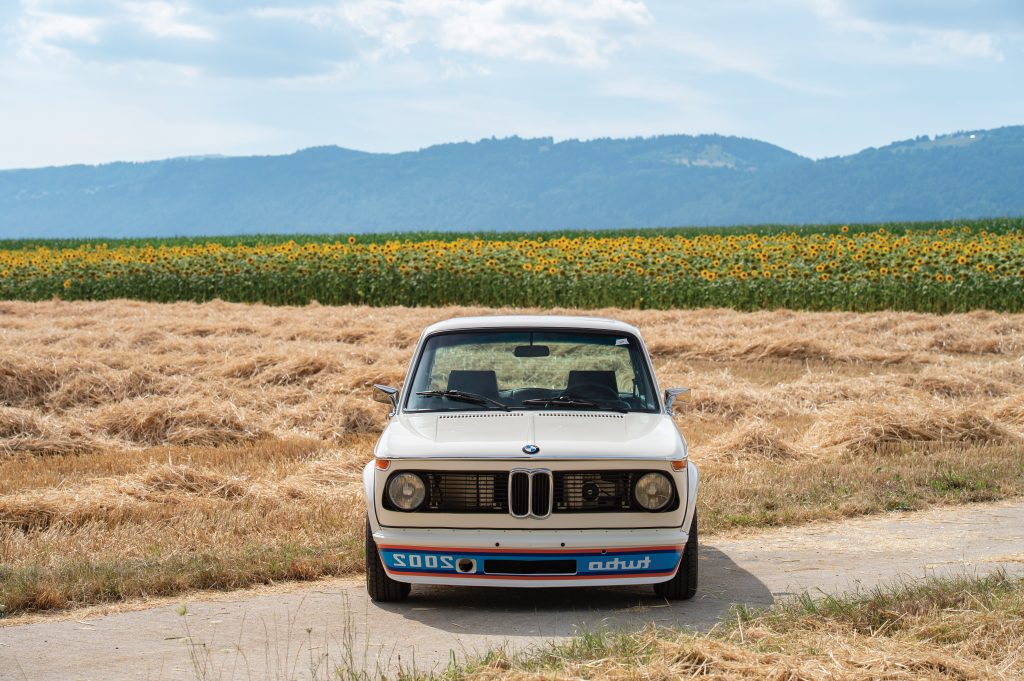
(684, 585)
(379, 586)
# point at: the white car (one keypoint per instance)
(530, 451)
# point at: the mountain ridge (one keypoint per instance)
(519, 183)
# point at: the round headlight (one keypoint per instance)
(407, 491)
(653, 491)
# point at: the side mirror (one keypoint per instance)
(385, 394)
(670, 396)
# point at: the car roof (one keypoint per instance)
(531, 322)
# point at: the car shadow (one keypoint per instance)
(545, 612)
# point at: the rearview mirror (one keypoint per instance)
(385, 394)
(532, 351)
(670, 396)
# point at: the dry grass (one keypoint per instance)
(147, 449)
(857, 426)
(744, 494)
(172, 520)
(751, 440)
(940, 630)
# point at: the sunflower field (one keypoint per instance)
(945, 268)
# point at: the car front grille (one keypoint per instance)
(450, 492)
(519, 494)
(594, 491)
(529, 492)
(541, 501)
(534, 493)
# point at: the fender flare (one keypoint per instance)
(692, 478)
(368, 495)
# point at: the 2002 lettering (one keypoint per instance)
(416, 560)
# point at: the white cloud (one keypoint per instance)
(962, 43)
(583, 33)
(577, 32)
(316, 16)
(98, 80)
(166, 20)
(47, 29)
(39, 30)
(910, 39)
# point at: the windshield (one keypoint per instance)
(481, 370)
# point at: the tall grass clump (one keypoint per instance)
(940, 630)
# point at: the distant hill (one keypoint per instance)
(522, 184)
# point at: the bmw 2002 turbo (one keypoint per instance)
(530, 451)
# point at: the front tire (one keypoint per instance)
(379, 586)
(684, 585)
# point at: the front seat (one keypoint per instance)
(484, 383)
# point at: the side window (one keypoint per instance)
(639, 388)
(423, 379)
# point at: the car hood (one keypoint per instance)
(559, 434)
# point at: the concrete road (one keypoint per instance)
(309, 630)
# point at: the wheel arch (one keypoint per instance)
(369, 492)
(692, 478)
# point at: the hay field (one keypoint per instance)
(149, 449)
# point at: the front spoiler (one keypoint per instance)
(560, 558)
(547, 583)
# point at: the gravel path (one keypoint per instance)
(310, 630)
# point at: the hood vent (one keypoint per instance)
(579, 415)
(503, 414)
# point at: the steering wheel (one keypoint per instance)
(600, 391)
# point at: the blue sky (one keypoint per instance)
(89, 81)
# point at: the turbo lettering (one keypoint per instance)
(619, 564)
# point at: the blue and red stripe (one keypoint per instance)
(590, 563)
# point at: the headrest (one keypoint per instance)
(472, 381)
(606, 378)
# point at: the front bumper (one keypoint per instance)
(533, 558)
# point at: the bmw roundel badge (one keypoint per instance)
(531, 449)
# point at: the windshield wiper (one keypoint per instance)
(463, 396)
(572, 401)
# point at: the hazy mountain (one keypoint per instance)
(522, 184)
